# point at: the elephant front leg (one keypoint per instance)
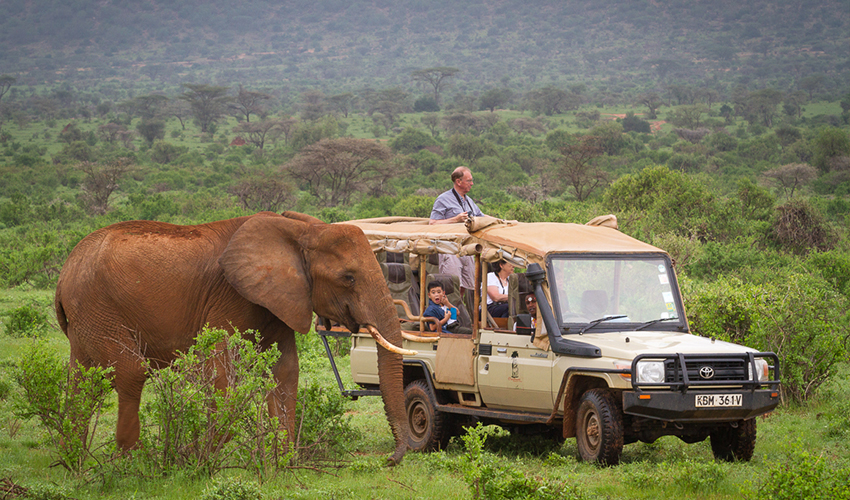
(283, 399)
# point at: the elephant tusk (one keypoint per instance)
(386, 345)
(419, 338)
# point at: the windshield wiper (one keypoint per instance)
(599, 320)
(650, 323)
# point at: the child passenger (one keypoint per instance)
(440, 308)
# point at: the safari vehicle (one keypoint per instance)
(611, 361)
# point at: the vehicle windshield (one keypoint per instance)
(603, 292)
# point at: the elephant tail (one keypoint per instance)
(60, 311)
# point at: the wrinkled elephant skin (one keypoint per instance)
(144, 288)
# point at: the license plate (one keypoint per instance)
(718, 400)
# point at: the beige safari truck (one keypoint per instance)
(608, 358)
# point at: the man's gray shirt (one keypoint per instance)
(450, 204)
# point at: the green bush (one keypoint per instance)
(232, 489)
(803, 475)
(490, 477)
(65, 409)
(189, 425)
(26, 321)
(798, 316)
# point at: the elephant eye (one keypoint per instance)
(349, 279)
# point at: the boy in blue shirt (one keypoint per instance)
(440, 308)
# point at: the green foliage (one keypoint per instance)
(414, 206)
(834, 266)
(660, 200)
(190, 426)
(411, 140)
(64, 404)
(633, 123)
(42, 491)
(491, 478)
(324, 430)
(232, 489)
(798, 316)
(805, 475)
(25, 321)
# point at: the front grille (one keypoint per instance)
(723, 370)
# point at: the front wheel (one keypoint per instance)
(428, 427)
(599, 428)
(731, 443)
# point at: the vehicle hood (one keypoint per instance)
(627, 345)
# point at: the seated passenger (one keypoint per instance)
(497, 289)
(440, 308)
(531, 305)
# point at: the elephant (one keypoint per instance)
(140, 290)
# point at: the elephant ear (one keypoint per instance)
(302, 217)
(264, 262)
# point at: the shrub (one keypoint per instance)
(66, 414)
(798, 316)
(26, 321)
(232, 489)
(803, 475)
(490, 477)
(324, 429)
(801, 228)
(191, 426)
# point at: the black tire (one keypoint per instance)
(428, 428)
(732, 444)
(599, 428)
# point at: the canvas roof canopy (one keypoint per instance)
(516, 242)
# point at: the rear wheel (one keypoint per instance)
(599, 428)
(428, 427)
(731, 443)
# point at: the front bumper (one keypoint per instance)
(675, 399)
(681, 407)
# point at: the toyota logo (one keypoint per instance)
(706, 372)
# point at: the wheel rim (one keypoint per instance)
(417, 417)
(591, 431)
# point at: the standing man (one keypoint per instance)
(451, 207)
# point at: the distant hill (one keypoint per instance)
(616, 46)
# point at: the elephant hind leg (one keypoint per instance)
(129, 388)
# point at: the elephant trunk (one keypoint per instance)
(391, 374)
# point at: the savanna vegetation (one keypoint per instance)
(731, 152)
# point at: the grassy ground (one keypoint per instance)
(665, 469)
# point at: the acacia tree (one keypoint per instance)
(342, 103)
(792, 176)
(334, 169)
(6, 82)
(577, 169)
(652, 101)
(437, 78)
(248, 102)
(494, 98)
(261, 193)
(207, 103)
(257, 133)
(100, 181)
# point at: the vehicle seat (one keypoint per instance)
(518, 288)
(594, 303)
(398, 281)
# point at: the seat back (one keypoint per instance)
(518, 288)
(398, 281)
(594, 303)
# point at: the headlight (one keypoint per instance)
(650, 372)
(762, 368)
